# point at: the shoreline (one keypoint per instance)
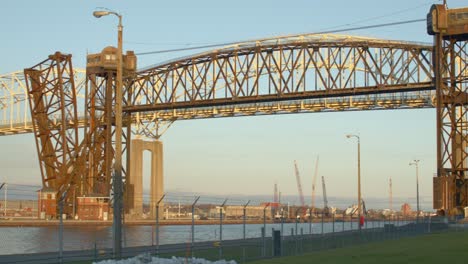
(45, 223)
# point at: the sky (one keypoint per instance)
(247, 155)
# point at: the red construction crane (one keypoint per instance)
(299, 188)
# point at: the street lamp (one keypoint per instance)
(117, 177)
(416, 163)
(359, 175)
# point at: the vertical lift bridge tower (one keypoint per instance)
(450, 30)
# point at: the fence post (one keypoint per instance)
(264, 228)
(302, 240)
(344, 213)
(398, 226)
(282, 225)
(272, 241)
(297, 219)
(429, 225)
(263, 231)
(333, 223)
(221, 229)
(282, 231)
(244, 216)
(193, 226)
(61, 230)
(157, 224)
(95, 251)
(296, 232)
(372, 234)
(62, 198)
(322, 223)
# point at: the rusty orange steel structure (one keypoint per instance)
(53, 106)
(294, 74)
(101, 72)
(450, 30)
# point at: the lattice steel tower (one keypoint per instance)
(450, 30)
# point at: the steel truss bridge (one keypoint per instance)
(294, 74)
(306, 73)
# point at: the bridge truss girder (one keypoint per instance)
(265, 73)
(15, 115)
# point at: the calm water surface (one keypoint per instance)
(18, 240)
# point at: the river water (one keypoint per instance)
(20, 240)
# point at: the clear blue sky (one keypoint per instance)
(237, 155)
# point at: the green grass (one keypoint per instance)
(440, 248)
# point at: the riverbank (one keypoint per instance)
(12, 222)
(43, 223)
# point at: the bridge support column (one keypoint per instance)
(135, 179)
(157, 176)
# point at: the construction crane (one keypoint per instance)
(325, 200)
(314, 180)
(275, 205)
(299, 188)
(275, 194)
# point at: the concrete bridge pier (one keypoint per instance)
(135, 178)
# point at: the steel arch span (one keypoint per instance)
(303, 73)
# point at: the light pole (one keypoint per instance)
(416, 163)
(117, 179)
(359, 175)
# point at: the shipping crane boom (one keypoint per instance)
(299, 187)
(314, 183)
(325, 200)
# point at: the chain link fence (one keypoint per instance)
(206, 227)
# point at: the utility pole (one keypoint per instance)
(359, 174)
(416, 163)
